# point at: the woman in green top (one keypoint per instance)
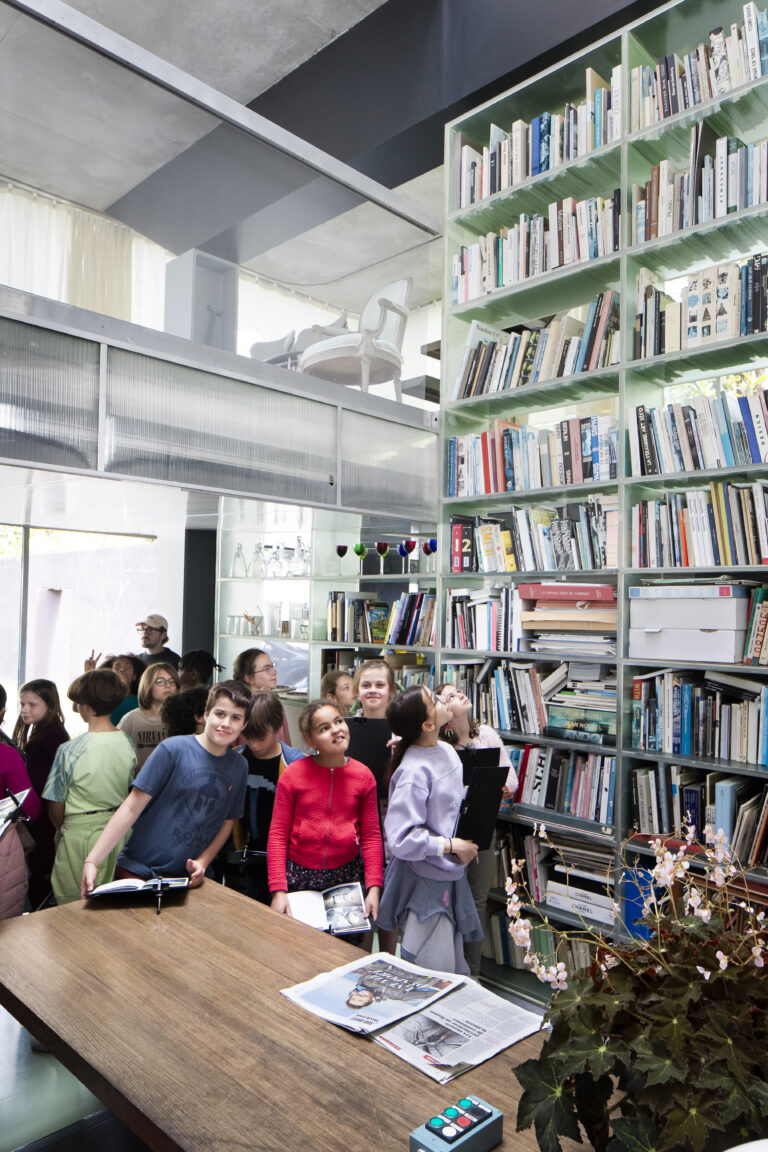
(90, 778)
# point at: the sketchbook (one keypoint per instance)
(338, 910)
(150, 887)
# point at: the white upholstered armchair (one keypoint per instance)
(371, 355)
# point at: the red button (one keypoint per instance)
(463, 1122)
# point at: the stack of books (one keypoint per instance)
(356, 619)
(580, 875)
(715, 622)
(569, 618)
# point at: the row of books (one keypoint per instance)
(406, 674)
(498, 361)
(413, 620)
(726, 524)
(515, 457)
(574, 537)
(549, 140)
(715, 715)
(734, 176)
(498, 946)
(570, 233)
(721, 302)
(574, 783)
(722, 431)
(477, 680)
(714, 67)
(356, 619)
(666, 796)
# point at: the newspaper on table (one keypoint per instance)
(459, 1032)
(373, 993)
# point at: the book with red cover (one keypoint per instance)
(560, 590)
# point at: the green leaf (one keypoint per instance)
(547, 1104)
(594, 1052)
(634, 1134)
(592, 1098)
(658, 1067)
(690, 1125)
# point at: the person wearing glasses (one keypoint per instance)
(145, 724)
(153, 630)
(254, 667)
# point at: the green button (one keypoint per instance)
(451, 1112)
(465, 1103)
(436, 1122)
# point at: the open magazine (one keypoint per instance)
(338, 910)
(373, 993)
(459, 1032)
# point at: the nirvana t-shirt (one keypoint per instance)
(145, 730)
(193, 793)
(260, 801)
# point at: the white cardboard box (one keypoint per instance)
(721, 645)
(689, 613)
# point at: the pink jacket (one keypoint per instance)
(13, 870)
(323, 818)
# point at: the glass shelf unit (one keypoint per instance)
(742, 112)
(289, 611)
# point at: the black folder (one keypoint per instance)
(480, 807)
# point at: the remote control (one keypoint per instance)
(471, 1125)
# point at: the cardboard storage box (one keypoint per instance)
(718, 645)
(689, 613)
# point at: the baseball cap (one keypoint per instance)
(155, 620)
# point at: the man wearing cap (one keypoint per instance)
(153, 630)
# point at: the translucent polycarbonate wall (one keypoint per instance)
(388, 466)
(169, 422)
(49, 396)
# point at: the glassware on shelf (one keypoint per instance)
(382, 547)
(403, 553)
(273, 566)
(429, 548)
(296, 565)
(254, 620)
(274, 616)
(341, 551)
(239, 568)
(409, 546)
(256, 565)
(361, 551)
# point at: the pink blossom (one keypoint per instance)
(721, 956)
(757, 953)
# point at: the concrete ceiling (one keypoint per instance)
(79, 126)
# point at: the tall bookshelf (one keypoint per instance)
(620, 380)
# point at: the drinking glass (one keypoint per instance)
(402, 551)
(409, 546)
(341, 551)
(382, 547)
(361, 550)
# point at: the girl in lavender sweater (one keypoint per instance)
(426, 893)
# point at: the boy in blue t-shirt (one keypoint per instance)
(184, 800)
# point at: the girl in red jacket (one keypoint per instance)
(324, 817)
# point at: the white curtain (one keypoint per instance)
(34, 242)
(55, 249)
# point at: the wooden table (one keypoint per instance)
(176, 1023)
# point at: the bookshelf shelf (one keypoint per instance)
(513, 737)
(562, 821)
(713, 764)
(521, 983)
(705, 360)
(548, 497)
(740, 111)
(721, 239)
(542, 295)
(544, 394)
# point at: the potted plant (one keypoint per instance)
(663, 1042)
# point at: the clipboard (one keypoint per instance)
(368, 744)
(479, 809)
